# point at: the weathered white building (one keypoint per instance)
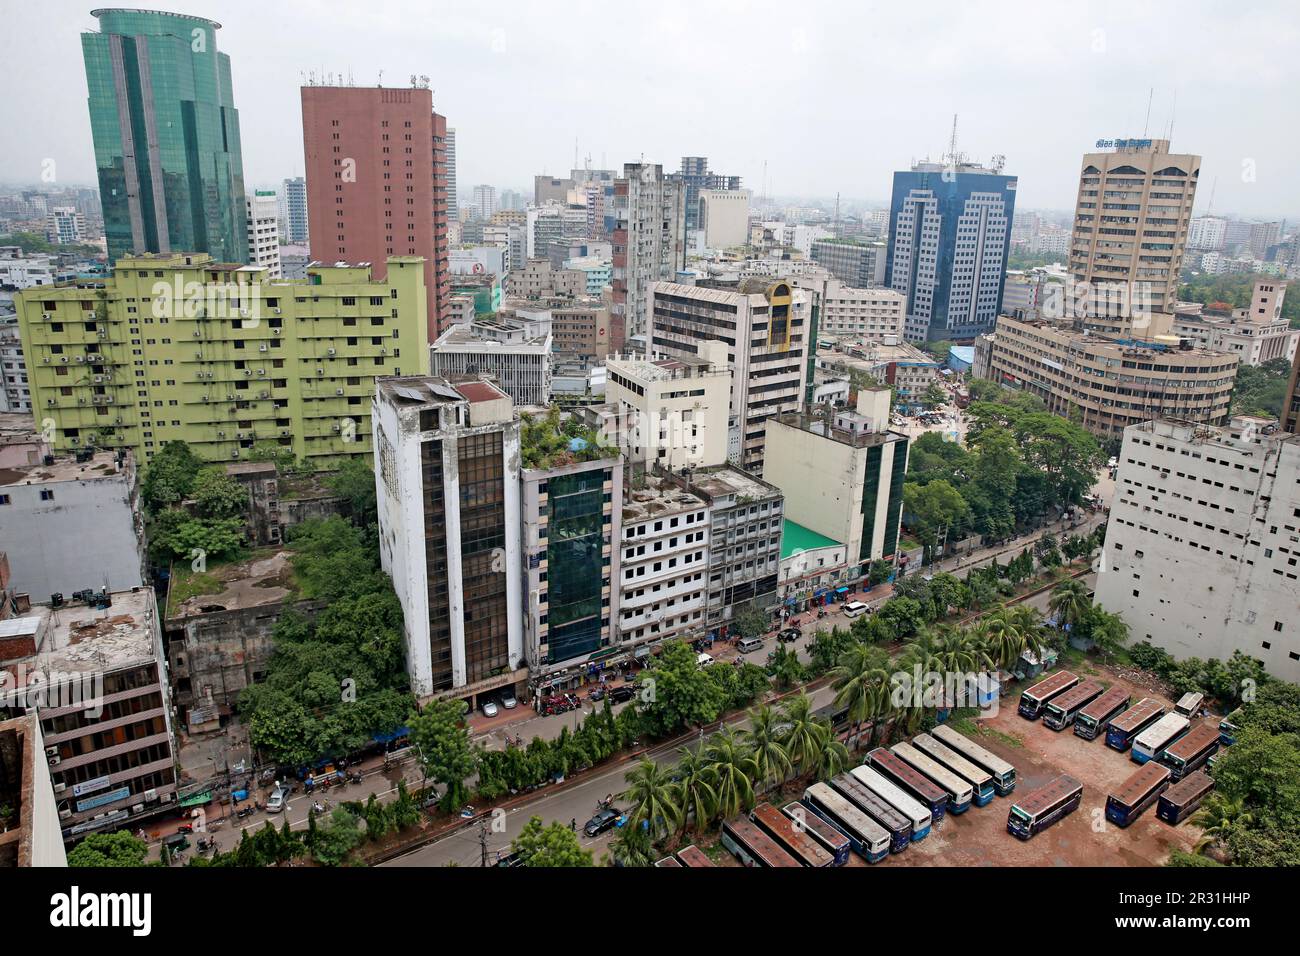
(516, 352)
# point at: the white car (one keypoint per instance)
(855, 608)
(276, 801)
(508, 701)
(489, 708)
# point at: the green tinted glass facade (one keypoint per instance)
(171, 176)
(573, 554)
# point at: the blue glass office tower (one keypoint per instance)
(949, 237)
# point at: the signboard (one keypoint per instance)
(121, 793)
(1123, 144)
(90, 786)
(113, 817)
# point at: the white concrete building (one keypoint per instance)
(649, 236)
(724, 217)
(1207, 233)
(15, 392)
(447, 478)
(485, 202)
(664, 563)
(1256, 334)
(515, 352)
(295, 211)
(25, 272)
(65, 226)
(453, 200)
(671, 411)
(73, 525)
(1202, 552)
(263, 210)
(480, 260)
(865, 313)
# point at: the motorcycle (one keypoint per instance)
(185, 828)
(467, 812)
(247, 811)
(354, 777)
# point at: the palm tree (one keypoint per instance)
(1003, 641)
(1109, 631)
(1220, 818)
(1029, 621)
(734, 772)
(632, 846)
(653, 798)
(833, 757)
(920, 657)
(1069, 603)
(695, 791)
(863, 681)
(764, 737)
(802, 742)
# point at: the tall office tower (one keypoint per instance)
(376, 182)
(295, 210)
(166, 135)
(64, 225)
(859, 263)
(447, 460)
(1262, 236)
(1207, 233)
(949, 237)
(453, 202)
(1130, 231)
(264, 232)
(649, 238)
(694, 176)
(485, 202)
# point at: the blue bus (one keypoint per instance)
(1136, 793)
(981, 780)
(835, 842)
(868, 839)
(894, 795)
(1124, 728)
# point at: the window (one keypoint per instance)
(47, 494)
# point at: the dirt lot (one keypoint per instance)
(979, 836)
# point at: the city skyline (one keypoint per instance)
(1246, 154)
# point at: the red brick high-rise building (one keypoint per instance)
(376, 167)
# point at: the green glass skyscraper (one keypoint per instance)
(162, 114)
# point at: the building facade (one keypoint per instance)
(15, 391)
(264, 232)
(377, 182)
(295, 211)
(854, 262)
(649, 237)
(180, 347)
(517, 354)
(862, 313)
(166, 133)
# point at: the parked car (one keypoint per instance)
(622, 693)
(789, 635)
(747, 645)
(604, 820)
(508, 701)
(489, 708)
(278, 798)
(703, 660)
(855, 608)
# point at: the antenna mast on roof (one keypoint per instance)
(1147, 124)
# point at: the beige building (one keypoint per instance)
(671, 411)
(537, 279)
(1256, 334)
(1131, 220)
(1108, 385)
(579, 326)
(842, 478)
(724, 217)
(764, 324)
(865, 313)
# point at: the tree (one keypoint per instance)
(1107, 631)
(216, 495)
(734, 772)
(169, 476)
(902, 615)
(750, 623)
(863, 681)
(335, 839)
(934, 508)
(764, 742)
(554, 846)
(1219, 819)
(833, 757)
(783, 664)
(801, 738)
(696, 796)
(441, 741)
(632, 846)
(1069, 603)
(653, 797)
(879, 571)
(683, 693)
(118, 849)
(354, 482)
(1263, 771)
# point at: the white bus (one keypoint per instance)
(1159, 736)
(867, 837)
(981, 780)
(959, 791)
(1004, 775)
(896, 798)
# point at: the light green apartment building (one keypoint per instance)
(180, 347)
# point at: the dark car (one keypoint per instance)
(789, 635)
(622, 693)
(604, 820)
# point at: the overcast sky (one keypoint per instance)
(831, 96)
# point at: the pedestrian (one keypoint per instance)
(573, 824)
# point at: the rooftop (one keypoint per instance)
(426, 390)
(796, 538)
(66, 468)
(264, 578)
(816, 425)
(722, 481)
(656, 497)
(78, 638)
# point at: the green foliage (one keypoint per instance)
(784, 666)
(681, 693)
(1261, 389)
(354, 482)
(554, 846)
(109, 849)
(1263, 770)
(216, 495)
(1231, 290)
(749, 622)
(1183, 858)
(336, 838)
(440, 737)
(545, 442)
(169, 476)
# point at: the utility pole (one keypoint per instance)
(483, 842)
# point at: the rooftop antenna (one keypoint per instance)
(381, 78)
(836, 224)
(1147, 124)
(952, 142)
(1173, 111)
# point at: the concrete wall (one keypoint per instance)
(821, 479)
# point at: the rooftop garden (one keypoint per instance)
(551, 441)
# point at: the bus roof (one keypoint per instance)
(951, 759)
(1189, 788)
(815, 824)
(1076, 695)
(1194, 741)
(1039, 800)
(772, 819)
(668, 861)
(1139, 713)
(905, 771)
(872, 804)
(1190, 701)
(760, 842)
(1163, 730)
(963, 744)
(693, 856)
(1139, 783)
(926, 765)
(1104, 704)
(847, 811)
(1051, 685)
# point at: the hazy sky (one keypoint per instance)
(832, 96)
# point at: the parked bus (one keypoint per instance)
(1158, 736)
(1190, 751)
(1038, 810)
(1033, 700)
(868, 839)
(1096, 717)
(1189, 704)
(1136, 793)
(1178, 802)
(981, 780)
(1003, 774)
(959, 791)
(752, 847)
(668, 861)
(1122, 730)
(1062, 709)
(893, 795)
(1229, 727)
(790, 838)
(895, 823)
(693, 857)
(835, 842)
(931, 796)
